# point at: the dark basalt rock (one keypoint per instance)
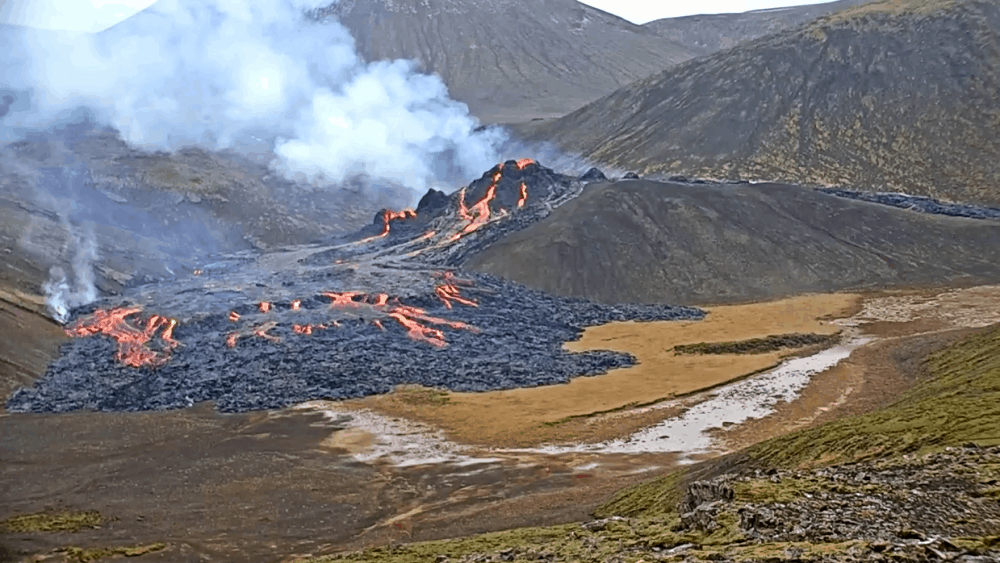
(518, 344)
(630, 176)
(432, 202)
(918, 203)
(593, 175)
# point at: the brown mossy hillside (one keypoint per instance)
(898, 95)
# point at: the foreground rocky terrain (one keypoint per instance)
(940, 507)
(892, 95)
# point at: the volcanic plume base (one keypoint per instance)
(343, 319)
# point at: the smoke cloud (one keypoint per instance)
(64, 292)
(216, 73)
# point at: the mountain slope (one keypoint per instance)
(707, 33)
(510, 60)
(896, 95)
(642, 241)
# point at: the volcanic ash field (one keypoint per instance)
(346, 318)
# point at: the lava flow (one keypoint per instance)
(479, 214)
(133, 342)
(409, 317)
(387, 217)
(449, 291)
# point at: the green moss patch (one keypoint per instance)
(657, 496)
(85, 555)
(758, 345)
(51, 522)
(957, 404)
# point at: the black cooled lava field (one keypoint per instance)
(342, 318)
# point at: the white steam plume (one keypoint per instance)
(215, 72)
(63, 292)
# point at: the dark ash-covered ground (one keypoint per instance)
(350, 318)
(919, 203)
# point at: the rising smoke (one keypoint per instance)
(221, 74)
(64, 292)
(56, 235)
(217, 72)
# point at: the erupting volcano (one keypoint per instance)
(342, 318)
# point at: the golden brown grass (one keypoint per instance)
(527, 417)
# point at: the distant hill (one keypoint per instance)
(510, 60)
(707, 33)
(899, 95)
(643, 241)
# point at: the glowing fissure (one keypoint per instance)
(479, 214)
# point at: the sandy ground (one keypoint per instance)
(559, 413)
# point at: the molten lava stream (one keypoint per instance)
(478, 214)
(420, 332)
(387, 217)
(409, 317)
(133, 342)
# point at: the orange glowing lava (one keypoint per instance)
(133, 342)
(387, 217)
(234, 316)
(296, 305)
(524, 195)
(522, 163)
(345, 299)
(478, 214)
(265, 306)
(449, 292)
(420, 332)
(409, 317)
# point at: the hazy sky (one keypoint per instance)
(95, 15)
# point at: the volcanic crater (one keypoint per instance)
(342, 318)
